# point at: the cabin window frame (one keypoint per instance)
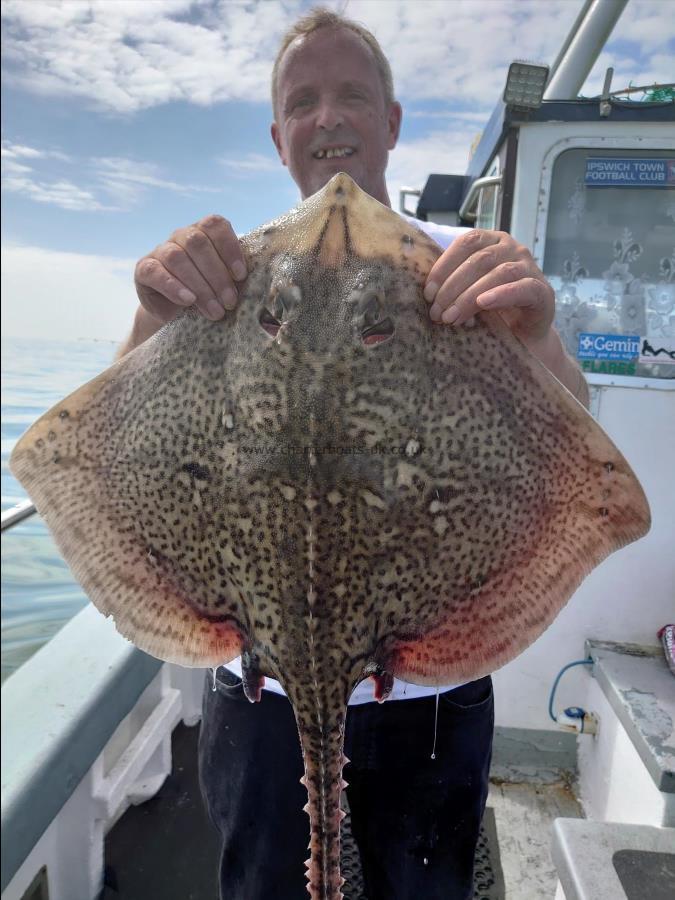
(550, 158)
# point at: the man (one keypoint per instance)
(419, 763)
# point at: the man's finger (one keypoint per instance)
(466, 306)
(159, 290)
(156, 304)
(227, 244)
(530, 302)
(215, 279)
(528, 292)
(461, 249)
(179, 265)
(150, 273)
(471, 272)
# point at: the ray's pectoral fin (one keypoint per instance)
(586, 511)
(87, 468)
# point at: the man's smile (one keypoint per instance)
(331, 152)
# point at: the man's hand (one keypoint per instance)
(198, 266)
(490, 270)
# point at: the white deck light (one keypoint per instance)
(525, 85)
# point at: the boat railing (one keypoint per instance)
(86, 725)
(17, 513)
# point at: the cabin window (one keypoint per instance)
(610, 255)
(487, 206)
(486, 212)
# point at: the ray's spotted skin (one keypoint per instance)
(329, 485)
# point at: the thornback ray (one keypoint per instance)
(330, 485)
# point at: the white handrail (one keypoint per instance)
(17, 513)
(402, 194)
(465, 209)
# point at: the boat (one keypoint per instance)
(582, 797)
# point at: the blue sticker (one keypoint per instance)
(609, 346)
(617, 172)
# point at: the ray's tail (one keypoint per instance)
(321, 725)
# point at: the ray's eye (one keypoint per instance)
(377, 333)
(374, 328)
(275, 313)
(371, 310)
(269, 323)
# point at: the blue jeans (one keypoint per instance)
(415, 820)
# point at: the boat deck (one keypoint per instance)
(167, 848)
(524, 815)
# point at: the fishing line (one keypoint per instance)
(433, 749)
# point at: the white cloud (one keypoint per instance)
(122, 180)
(459, 51)
(61, 193)
(441, 151)
(629, 70)
(477, 118)
(250, 164)
(128, 179)
(12, 151)
(47, 293)
(11, 167)
(42, 186)
(126, 56)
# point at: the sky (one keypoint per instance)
(123, 120)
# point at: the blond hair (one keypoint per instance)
(320, 17)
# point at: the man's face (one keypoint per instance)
(330, 98)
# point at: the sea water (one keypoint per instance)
(39, 595)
